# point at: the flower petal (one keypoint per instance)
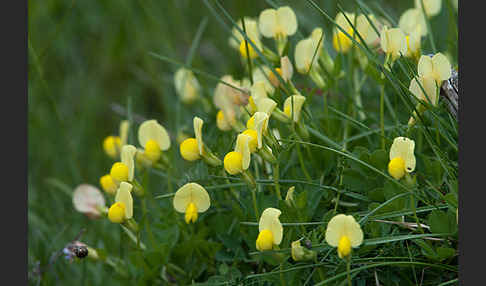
(86, 199)
(242, 146)
(411, 20)
(287, 20)
(261, 123)
(266, 105)
(287, 69)
(267, 22)
(124, 128)
(191, 193)
(124, 195)
(198, 124)
(151, 129)
(127, 157)
(294, 103)
(270, 220)
(442, 67)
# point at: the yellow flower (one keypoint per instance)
(340, 41)
(193, 150)
(431, 7)
(251, 51)
(344, 233)
(253, 142)
(413, 44)
(153, 138)
(229, 99)
(237, 161)
(293, 106)
(237, 41)
(191, 199)
(123, 171)
(413, 20)
(262, 73)
(270, 230)
(393, 42)
(260, 125)
(221, 122)
(122, 209)
(429, 86)
(304, 55)
(438, 67)
(187, 85)
(189, 150)
(278, 23)
(87, 199)
(112, 145)
(285, 71)
(402, 157)
(108, 184)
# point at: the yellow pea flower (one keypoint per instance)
(189, 150)
(229, 99)
(154, 139)
(108, 184)
(393, 42)
(193, 149)
(285, 71)
(431, 7)
(402, 157)
(340, 41)
(237, 41)
(277, 23)
(293, 105)
(438, 67)
(253, 142)
(260, 126)
(304, 55)
(344, 233)
(262, 73)
(270, 230)
(237, 161)
(413, 44)
(221, 122)
(187, 86)
(191, 199)
(122, 209)
(124, 171)
(429, 86)
(112, 144)
(87, 199)
(413, 20)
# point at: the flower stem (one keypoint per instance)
(382, 115)
(275, 179)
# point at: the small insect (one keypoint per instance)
(75, 248)
(307, 244)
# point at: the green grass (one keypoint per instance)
(95, 63)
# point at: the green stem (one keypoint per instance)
(255, 208)
(275, 179)
(382, 115)
(302, 165)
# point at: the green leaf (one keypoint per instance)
(442, 222)
(445, 252)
